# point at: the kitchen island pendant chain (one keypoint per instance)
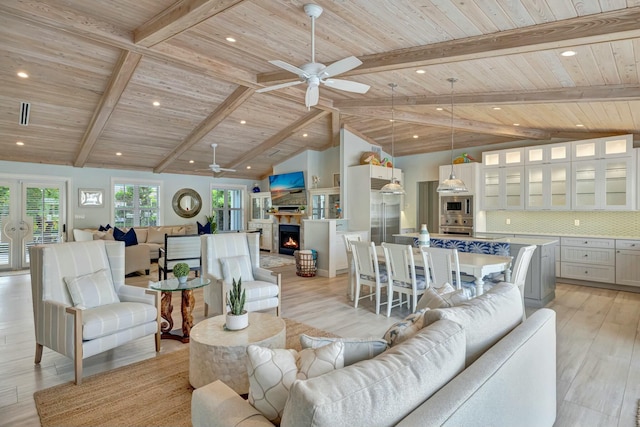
(392, 187)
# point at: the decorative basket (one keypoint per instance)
(306, 262)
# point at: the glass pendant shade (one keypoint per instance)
(452, 184)
(394, 186)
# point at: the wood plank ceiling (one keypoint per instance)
(95, 69)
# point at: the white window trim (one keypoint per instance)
(135, 181)
(243, 191)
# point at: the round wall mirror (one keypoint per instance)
(187, 203)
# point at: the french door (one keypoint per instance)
(31, 212)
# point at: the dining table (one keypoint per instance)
(473, 264)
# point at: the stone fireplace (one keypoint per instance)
(289, 238)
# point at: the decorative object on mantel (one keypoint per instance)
(302, 208)
(452, 184)
(392, 187)
(181, 271)
(237, 316)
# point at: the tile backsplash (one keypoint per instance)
(571, 223)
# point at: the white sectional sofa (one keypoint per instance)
(476, 364)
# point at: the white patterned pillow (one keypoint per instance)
(355, 349)
(273, 371)
(235, 267)
(405, 329)
(92, 290)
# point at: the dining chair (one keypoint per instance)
(443, 265)
(367, 271)
(519, 271)
(402, 277)
(348, 239)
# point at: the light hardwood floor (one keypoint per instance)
(598, 346)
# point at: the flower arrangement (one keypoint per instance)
(236, 298)
(181, 269)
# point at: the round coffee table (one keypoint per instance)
(219, 354)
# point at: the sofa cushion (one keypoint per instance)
(156, 235)
(129, 238)
(432, 299)
(486, 319)
(236, 267)
(141, 234)
(92, 290)
(355, 349)
(382, 390)
(405, 329)
(108, 319)
(272, 371)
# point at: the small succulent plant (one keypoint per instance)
(181, 269)
(236, 298)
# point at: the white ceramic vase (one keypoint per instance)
(237, 322)
(182, 279)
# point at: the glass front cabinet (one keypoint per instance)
(325, 203)
(260, 204)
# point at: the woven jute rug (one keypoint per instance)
(153, 392)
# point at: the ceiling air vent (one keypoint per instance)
(25, 107)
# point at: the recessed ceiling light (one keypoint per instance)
(118, 154)
(305, 135)
(420, 71)
(415, 136)
(19, 143)
(191, 161)
(243, 122)
(439, 108)
(156, 103)
(580, 125)
(23, 75)
(497, 108)
(516, 124)
(231, 39)
(568, 53)
(248, 167)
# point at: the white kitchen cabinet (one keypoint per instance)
(503, 158)
(469, 173)
(325, 203)
(260, 204)
(548, 186)
(552, 153)
(266, 234)
(502, 188)
(602, 148)
(383, 172)
(628, 262)
(588, 259)
(603, 184)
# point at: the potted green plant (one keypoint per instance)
(302, 208)
(181, 271)
(237, 316)
(211, 219)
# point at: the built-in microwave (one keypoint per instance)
(457, 205)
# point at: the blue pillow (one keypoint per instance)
(204, 229)
(129, 238)
(105, 228)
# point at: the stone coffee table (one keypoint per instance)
(219, 354)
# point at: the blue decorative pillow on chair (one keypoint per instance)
(204, 229)
(129, 238)
(105, 228)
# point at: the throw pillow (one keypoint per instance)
(355, 349)
(156, 235)
(431, 299)
(235, 267)
(405, 329)
(204, 229)
(105, 228)
(273, 371)
(129, 238)
(92, 290)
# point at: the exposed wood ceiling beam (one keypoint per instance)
(179, 17)
(445, 122)
(607, 93)
(122, 73)
(360, 135)
(279, 137)
(602, 27)
(233, 101)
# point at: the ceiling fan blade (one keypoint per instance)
(312, 96)
(280, 86)
(291, 68)
(341, 66)
(346, 85)
(226, 170)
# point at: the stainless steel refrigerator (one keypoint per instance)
(385, 217)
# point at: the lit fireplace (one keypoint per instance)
(289, 241)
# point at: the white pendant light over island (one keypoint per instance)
(452, 184)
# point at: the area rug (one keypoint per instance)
(153, 392)
(272, 261)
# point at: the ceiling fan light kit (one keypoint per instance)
(452, 184)
(314, 73)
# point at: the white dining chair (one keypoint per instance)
(367, 271)
(443, 265)
(348, 239)
(519, 271)
(402, 277)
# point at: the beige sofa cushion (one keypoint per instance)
(355, 349)
(382, 390)
(141, 234)
(156, 235)
(486, 319)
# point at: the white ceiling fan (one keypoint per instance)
(314, 73)
(214, 167)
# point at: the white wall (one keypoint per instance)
(322, 164)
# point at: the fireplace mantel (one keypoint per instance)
(287, 217)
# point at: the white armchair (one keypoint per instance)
(81, 306)
(229, 256)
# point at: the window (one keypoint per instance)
(227, 206)
(136, 204)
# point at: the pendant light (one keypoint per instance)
(452, 184)
(394, 186)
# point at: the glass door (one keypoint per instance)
(318, 202)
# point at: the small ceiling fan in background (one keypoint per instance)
(315, 73)
(214, 167)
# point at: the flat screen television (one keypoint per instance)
(287, 189)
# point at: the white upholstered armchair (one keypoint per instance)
(229, 256)
(81, 306)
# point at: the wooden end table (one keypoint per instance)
(188, 303)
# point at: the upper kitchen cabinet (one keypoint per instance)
(543, 154)
(602, 148)
(260, 204)
(469, 173)
(604, 184)
(548, 186)
(325, 203)
(503, 158)
(502, 188)
(381, 172)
